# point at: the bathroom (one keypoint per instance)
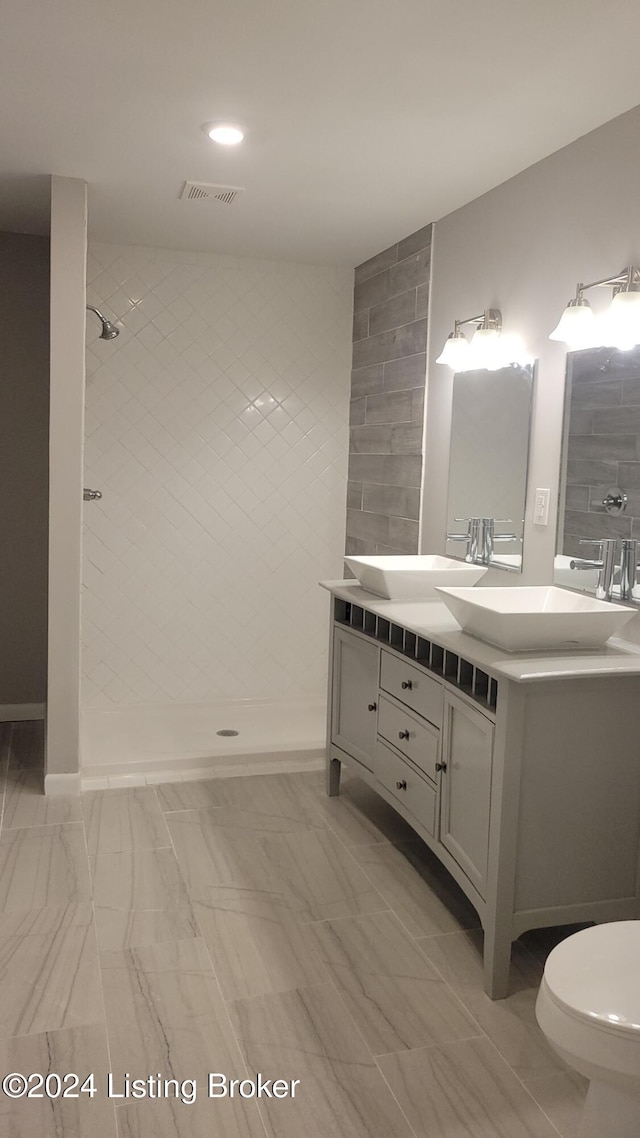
(260, 414)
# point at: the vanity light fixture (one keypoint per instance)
(486, 349)
(227, 134)
(618, 327)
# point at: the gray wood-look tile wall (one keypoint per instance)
(387, 397)
(603, 446)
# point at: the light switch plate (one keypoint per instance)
(541, 507)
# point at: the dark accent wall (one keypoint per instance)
(602, 446)
(24, 467)
(391, 301)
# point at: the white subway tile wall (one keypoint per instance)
(217, 431)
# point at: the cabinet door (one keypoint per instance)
(465, 791)
(355, 695)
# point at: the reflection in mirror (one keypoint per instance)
(488, 461)
(598, 542)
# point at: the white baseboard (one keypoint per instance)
(62, 783)
(19, 712)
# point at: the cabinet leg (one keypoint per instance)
(497, 961)
(334, 768)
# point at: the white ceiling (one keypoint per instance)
(365, 119)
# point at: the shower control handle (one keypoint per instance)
(91, 495)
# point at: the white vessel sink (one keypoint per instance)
(412, 578)
(528, 618)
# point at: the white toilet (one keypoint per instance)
(589, 1009)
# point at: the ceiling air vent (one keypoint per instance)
(208, 191)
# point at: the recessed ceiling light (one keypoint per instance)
(227, 134)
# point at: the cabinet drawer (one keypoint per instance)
(423, 741)
(415, 793)
(413, 686)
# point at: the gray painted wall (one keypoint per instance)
(391, 300)
(521, 248)
(24, 453)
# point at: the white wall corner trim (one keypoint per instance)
(62, 784)
(21, 712)
(66, 439)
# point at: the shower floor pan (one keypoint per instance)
(133, 745)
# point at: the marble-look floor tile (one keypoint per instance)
(196, 794)
(276, 796)
(27, 805)
(396, 997)
(255, 948)
(140, 898)
(561, 1095)
(43, 865)
(357, 815)
(309, 1035)
(165, 1012)
(226, 860)
(226, 1118)
(511, 1024)
(418, 889)
(49, 973)
(307, 874)
(458, 956)
(27, 744)
(259, 822)
(126, 819)
(463, 1090)
(80, 1050)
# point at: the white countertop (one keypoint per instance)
(433, 621)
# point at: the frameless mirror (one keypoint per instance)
(490, 427)
(598, 540)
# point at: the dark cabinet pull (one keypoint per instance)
(441, 766)
(403, 734)
(401, 785)
(407, 685)
(372, 706)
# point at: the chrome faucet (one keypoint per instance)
(628, 568)
(489, 537)
(473, 538)
(605, 563)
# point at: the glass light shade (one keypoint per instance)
(226, 134)
(621, 324)
(487, 349)
(455, 353)
(576, 326)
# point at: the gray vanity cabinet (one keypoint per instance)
(521, 775)
(355, 696)
(465, 788)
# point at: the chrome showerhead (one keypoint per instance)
(109, 330)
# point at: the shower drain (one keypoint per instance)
(227, 731)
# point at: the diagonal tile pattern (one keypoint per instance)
(246, 926)
(216, 423)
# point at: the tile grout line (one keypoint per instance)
(333, 984)
(343, 998)
(415, 939)
(211, 964)
(99, 962)
(524, 1085)
(481, 1033)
